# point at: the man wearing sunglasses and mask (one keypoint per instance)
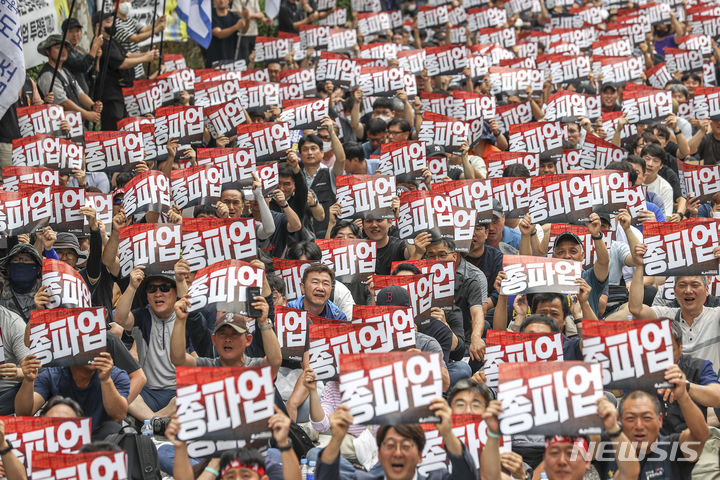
(151, 327)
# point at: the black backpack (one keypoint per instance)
(142, 454)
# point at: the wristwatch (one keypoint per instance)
(287, 447)
(687, 387)
(616, 434)
(599, 237)
(267, 326)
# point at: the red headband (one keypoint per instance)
(580, 442)
(237, 464)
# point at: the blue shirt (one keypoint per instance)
(597, 288)
(331, 312)
(59, 381)
(511, 237)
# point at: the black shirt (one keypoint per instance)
(655, 465)
(112, 83)
(394, 251)
(222, 48)
(490, 263)
(709, 150)
(290, 12)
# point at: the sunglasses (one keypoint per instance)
(163, 287)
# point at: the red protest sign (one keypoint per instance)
(473, 194)
(291, 271)
(351, 259)
(291, 325)
(113, 151)
(13, 176)
(67, 288)
(224, 403)
(143, 98)
(206, 241)
(31, 435)
(227, 284)
(44, 150)
(444, 131)
(147, 192)
(553, 398)
(422, 211)
(36, 119)
(399, 322)
(360, 194)
(701, 181)
(538, 137)
(24, 212)
(270, 140)
(304, 114)
(610, 190)
(381, 81)
(443, 279)
(515, 81)
(497, 162)
(223, 119)
(633, 354)
(399, 158)
(95, 465)
(647, 105)
(514, 195)
(419, 287)
(390, 388)
(684, 248)
(67, 336)
(236, 165)
(512, 347)
(511, 114)
(566, 198)
(528, 274)
(199, 185)
(154, 245)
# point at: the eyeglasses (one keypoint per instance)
(395, 132)
(163, 287)
(392, 445)
(438, 255)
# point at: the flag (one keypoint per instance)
(12, 75)
(197, 14)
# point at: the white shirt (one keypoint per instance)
(702, 338)
(661, 187)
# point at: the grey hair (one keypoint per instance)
(679, 88)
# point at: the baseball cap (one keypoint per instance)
(568, 236)
(237, 322)
(434, 151)
(394, 296)
(70, 23)
(608, 85)
(497, 208)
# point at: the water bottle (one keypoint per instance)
(147, 429)
(304, 468)
(543, 475)
(311, 471)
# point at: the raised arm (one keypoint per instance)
(637, 288)
(178, 354)
(123, 315)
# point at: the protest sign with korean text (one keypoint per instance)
(98, 465)
(31, 435)
(223, 119)
(424, 212)
(236, 166)
(515, 81)
(362, 194)
(706, 102)
(206, 241)
(224, 403)
(147, 192)
(442, 130)
(402, 158)
(474, 194)
(44, 150)
(610, 190)
(390, 388)
(597, 154)
(65, 204)
(291, 272)
(550, 398)
(199, 185)
(399, 322)
(419, 287)
(538, 137)
(634, 354)
(13, 176)
(113, 151)
(470, 429)
(36, 119)
(566, 198)
(24, 212)
(701, 181)
(304, 114)
(143, 98)
(351, 259)
(67, 288)
(647, 105)
(270, 140)
(528, 274)
(291, 325)
(497, 162)
(228, 284)
(513, 347)
(64, 337)
(513, 193)
(443, 279)
(157, 246)
(684, 248)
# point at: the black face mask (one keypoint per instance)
(110, 30)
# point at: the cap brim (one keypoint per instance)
(237, 328)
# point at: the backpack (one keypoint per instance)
(142, 454)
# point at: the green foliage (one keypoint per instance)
(264, 30)
(34, 71)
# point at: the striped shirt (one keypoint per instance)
(702, 338)
(124, 30)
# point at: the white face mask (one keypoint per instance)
(716, 214)
(384, 118)
(327, 146)
(124, 8)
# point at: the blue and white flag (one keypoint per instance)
(197, 14)
(12, 62)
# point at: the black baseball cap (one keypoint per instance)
(71, 23)
(394, 296)
(568, 236)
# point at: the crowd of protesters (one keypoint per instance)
(151, 330)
